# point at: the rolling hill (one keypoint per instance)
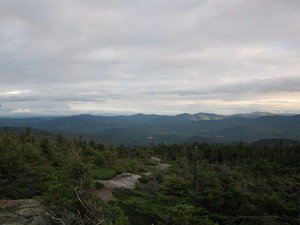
(144, 129)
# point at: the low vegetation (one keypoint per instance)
(205, 184)
(103, 173)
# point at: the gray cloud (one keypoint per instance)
(149, 56)
(261, 86)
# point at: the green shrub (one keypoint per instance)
(103, 173)
(99, 185)
(125, 194)
(119, 170)
(59, 194)
(133, 166)
(144, 179)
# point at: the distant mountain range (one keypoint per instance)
(144, 129)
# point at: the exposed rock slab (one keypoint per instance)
(105, 194)
(23, 212)
(162, 166)
(124, 180)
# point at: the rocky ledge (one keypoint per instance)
(23, 212)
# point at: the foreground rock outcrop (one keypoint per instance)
(23, 212)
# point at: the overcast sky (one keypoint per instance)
(149, 56)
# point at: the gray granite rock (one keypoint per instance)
(23, 212)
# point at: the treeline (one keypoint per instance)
(205, 184)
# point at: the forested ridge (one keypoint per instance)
(143, 129)
(205, 183)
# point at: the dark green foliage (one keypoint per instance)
(99, 185)
(205, 184)
(239, 184)
(210, 184)
(133, 165)
(103, 173)
(174, 185)
(58, 173)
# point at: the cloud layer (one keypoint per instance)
(166, 57)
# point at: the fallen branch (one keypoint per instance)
(75, 189)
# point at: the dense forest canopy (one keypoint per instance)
(205, 183)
